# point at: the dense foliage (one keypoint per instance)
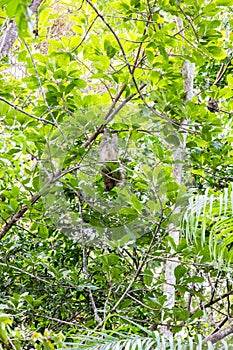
(77, 259)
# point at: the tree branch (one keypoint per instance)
(189, 21)
(34, 5)
(210, 303)
(17, 216)
(11, 33)
(26, 113)
(111, 30)
(222, 333)
(109, 116)
(27, 273)
(8, 38)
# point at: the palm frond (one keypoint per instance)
(155, 342)
(213, 213)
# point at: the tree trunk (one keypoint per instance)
(10, 34)
(174, 231)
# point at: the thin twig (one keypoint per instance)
(132, 19)
(222, 71)
(143, 261)
(210, 303)
(109, 117)
(26, 113)
(41, 88)
(75, 324)
(111, 30)
(219, 326)
(59, 175)
(17, 216)
(26, 273)
(85, 267)
(141, 303)
(190, 22)
(85, 35)
(115, 102)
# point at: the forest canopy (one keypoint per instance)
(116, 197)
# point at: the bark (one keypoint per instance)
(34, 5)
(10, 35)
(17, 216)
(8, 38)
(174, 231)
(222, 333)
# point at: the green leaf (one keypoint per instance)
(102, 62)
(80, 83)
(217, 52)
(5, 318)
(181, 315)
(14, 204)
(230, 80)
(43, 231)
(63, 59)
(224, 2)
(194, 279)
(206, 133)
(136, 204)
(211, 9)
(12, 6)
(148, 276)
(4, 2)
(150, 56)
(110, 50)
(197, 314)
(3, 334)
(180, 272)
(36, 183)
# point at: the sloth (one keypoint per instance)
(212, 105)
(111, 172)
